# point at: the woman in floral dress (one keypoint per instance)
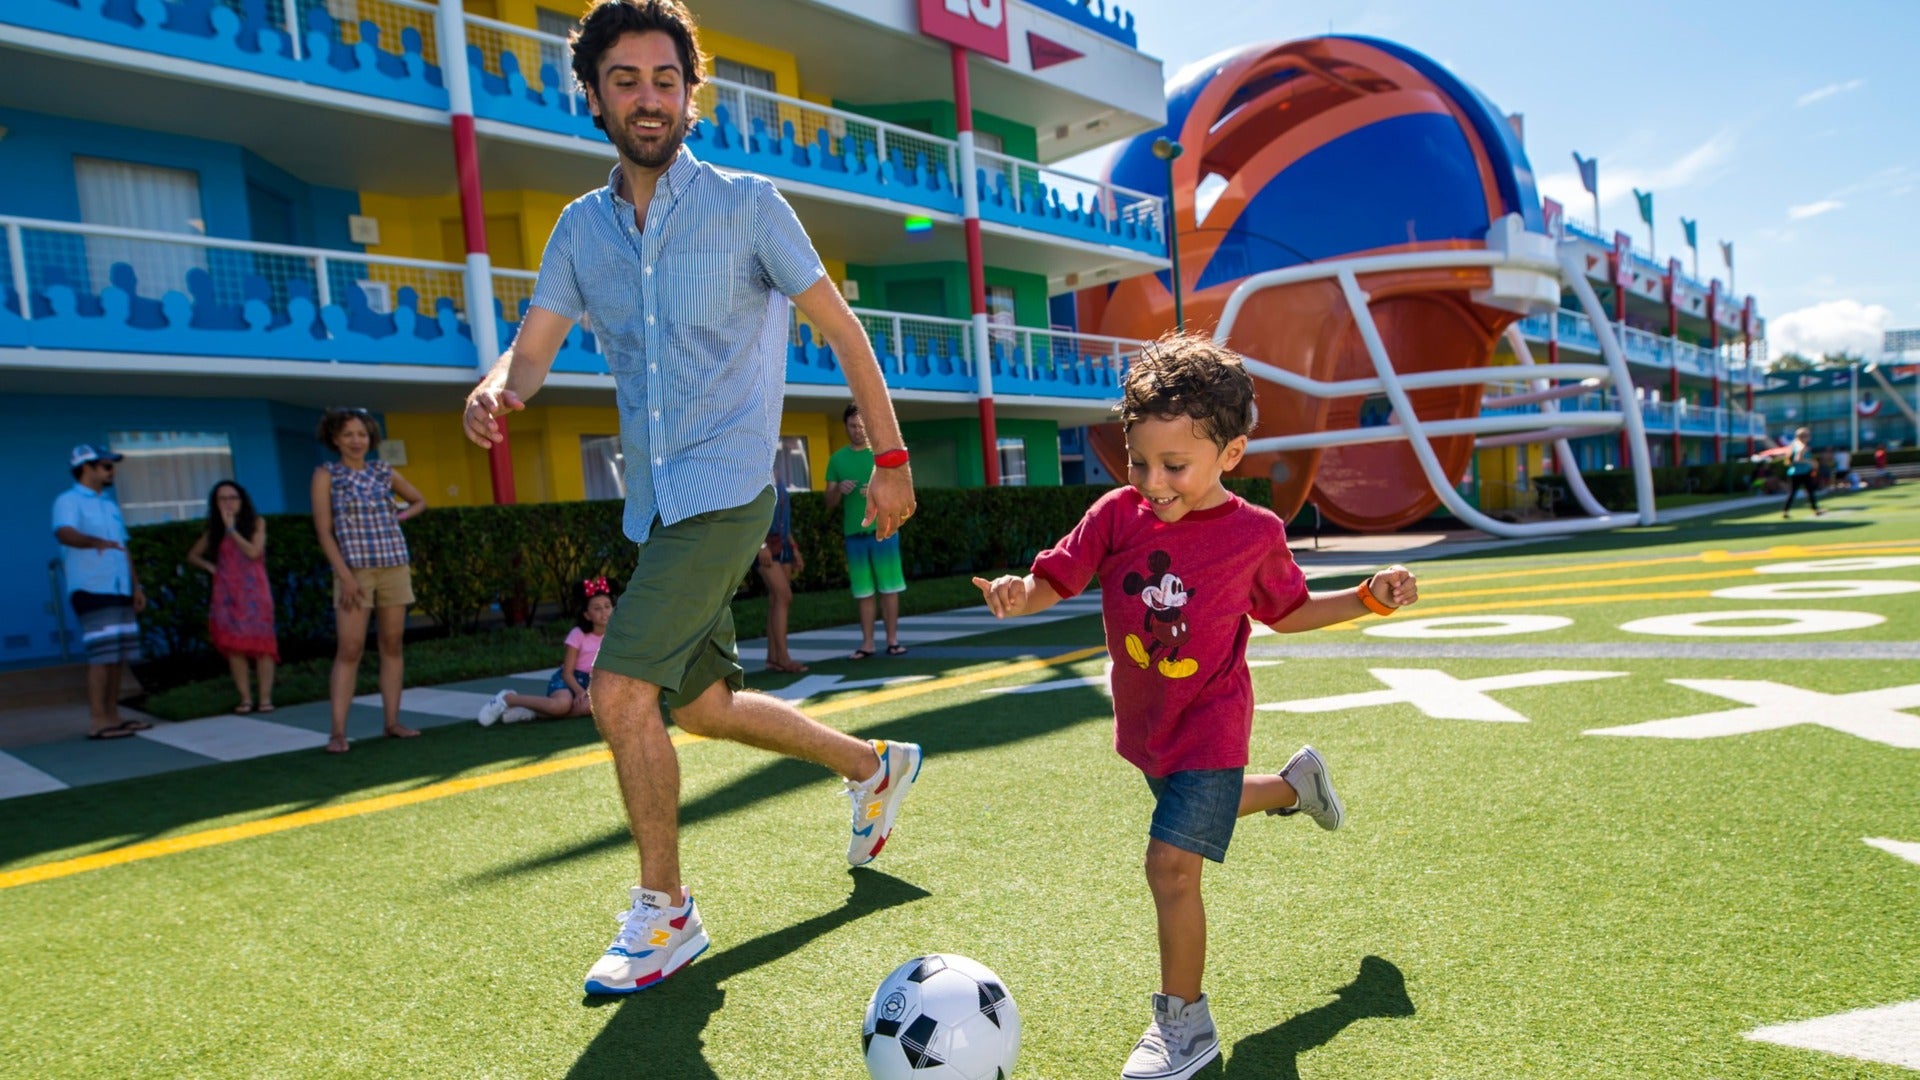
(240, 619)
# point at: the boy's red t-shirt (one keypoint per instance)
(1178, 595)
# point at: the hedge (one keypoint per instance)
(1614, 488)
(467, 561)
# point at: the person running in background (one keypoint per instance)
(567, 689)
(240, 616)
(1802, 470)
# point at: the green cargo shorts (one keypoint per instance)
(673, 627)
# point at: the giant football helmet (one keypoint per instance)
(1364, 228)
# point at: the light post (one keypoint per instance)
(1167, 150)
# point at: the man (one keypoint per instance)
(101, 585)
(873, 561)
(680, 268)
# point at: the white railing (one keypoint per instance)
(42, 254)
(1031, 351)
(766, 114)
(1572, 329)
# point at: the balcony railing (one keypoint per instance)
(919, 352)
(95, 288)
(1641, 347)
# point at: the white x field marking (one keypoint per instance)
(1868, 714)
(1440, 695)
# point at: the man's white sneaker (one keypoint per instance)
(655, 940)
(490, 712)
(876, 801)
(1306, 771)
(1179, 1042)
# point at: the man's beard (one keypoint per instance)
(661, 152)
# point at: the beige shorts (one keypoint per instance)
(385, 586)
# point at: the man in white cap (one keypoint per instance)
(101, 585)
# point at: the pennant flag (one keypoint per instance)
(1645, 198)
(1045, 52)
(1726, 252)
(1693, 236)
(1589, 172)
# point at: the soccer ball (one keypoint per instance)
(941, 1017)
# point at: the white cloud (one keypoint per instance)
(1617, 181)
(1813, 209)
(1832, 327)
(1829, 90)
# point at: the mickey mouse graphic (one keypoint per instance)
(1165, 623)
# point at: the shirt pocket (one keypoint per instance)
(697, 288)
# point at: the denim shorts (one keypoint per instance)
(559, 681)
(1195, 811)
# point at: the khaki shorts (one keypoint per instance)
(385, 586)
(673, 627)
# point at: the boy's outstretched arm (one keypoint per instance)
(1013, 595)
(1395, 587)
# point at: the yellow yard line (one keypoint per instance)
(1565, 601)
(228, 834)
(1789, 551)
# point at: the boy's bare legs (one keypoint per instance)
(1262, 793)
(1174, 877)
(627, 712)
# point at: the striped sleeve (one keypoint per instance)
(557, 289)
(787, 259)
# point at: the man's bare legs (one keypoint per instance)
(627, 712)
(890, 614)
(103, 695)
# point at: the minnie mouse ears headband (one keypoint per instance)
(596, 587)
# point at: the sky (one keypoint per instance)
(1790, 129)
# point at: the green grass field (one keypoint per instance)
(1512, 898)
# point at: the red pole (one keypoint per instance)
(452, 28)
(976, 264)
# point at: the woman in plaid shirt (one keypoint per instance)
(359, 527)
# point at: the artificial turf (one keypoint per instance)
(1508, 899)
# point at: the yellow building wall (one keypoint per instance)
(448, 470)
(1506, 477)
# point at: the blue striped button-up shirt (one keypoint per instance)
(691, 314)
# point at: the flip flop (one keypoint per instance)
(859, 654)
(117, 731)
(896, 650)
(135, 725)
(265, 707)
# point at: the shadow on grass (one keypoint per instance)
(658, 1032)
(955, 729)
(1274, 1054)
(1727, 527)
(131, 811)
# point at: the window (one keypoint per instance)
(1013, 463)
(167, 474)
(988, 141)
(603, 464)
(744, 109)
(791, 465)
(560, 57)
(131, 196)
(1000, 315)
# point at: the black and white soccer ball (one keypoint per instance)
(941, 1017)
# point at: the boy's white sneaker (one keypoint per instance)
(655, 940)
(1180, 1041)
(490, 713)
(1306, 771)
(876, 801)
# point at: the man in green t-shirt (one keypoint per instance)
(873, 566)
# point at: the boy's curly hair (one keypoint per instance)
(607, 20)
(1188, 375)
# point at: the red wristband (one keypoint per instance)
(891, 459)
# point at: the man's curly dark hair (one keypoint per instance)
(603, 24)
(1188, 375)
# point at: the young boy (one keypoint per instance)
(1182, 564)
